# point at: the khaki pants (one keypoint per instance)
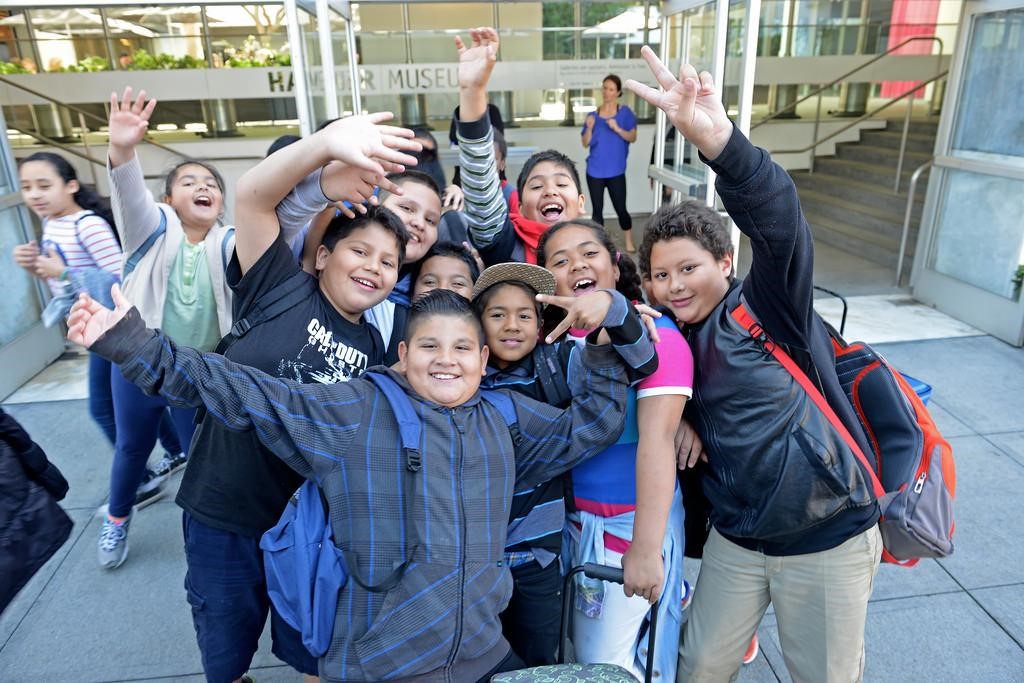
(820, 603)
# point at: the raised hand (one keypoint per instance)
(129, 119)
(692, 104)
(477, 61)
(585, 312)
(366, 143)
(89, 319)
(591, 120)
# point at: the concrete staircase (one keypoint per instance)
(849, 200)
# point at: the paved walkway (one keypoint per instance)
(960, 619)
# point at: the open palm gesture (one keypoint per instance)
(692, 103)
(89, 319)
(129, 119)
(365, 142)
(477, 62)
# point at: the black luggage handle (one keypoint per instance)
(604, 573)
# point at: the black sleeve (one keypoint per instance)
(761, 197)
(275, 266)
(502, 248)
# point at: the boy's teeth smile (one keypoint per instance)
(551, 210)
(364, 283)
(445, 376)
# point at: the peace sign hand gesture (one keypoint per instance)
(691, 102)
(584, 312)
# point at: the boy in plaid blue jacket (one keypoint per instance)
(440, 621)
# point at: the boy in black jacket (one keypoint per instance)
(794, 522)
(32, 526)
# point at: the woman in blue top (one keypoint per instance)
(608, 133)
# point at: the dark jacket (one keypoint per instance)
(32, 526)
(440, 622)
(781, 481)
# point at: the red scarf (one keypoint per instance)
(529, 232)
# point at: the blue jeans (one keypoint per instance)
(227, 589)
(101, 406)
(138, 418)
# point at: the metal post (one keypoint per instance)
(299, 72)
(31, 33)
(207, 43)
(659, 120)
(413, 106)
(814, 135)
(903, 143)
(323, 27)
(88, 152)
(353, 57)
(746, 96)
(718, 72)
(115, 62)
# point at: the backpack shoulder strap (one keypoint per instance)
(410, 428)
(742, 316)
(549, 373)
(225, 253)
(136, 256)
(507, 407)
(297, 288)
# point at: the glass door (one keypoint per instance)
(26, 347)
(705, 35)
(969, 259)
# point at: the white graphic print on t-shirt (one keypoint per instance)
(332, 360)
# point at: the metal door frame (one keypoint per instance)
(996, 315)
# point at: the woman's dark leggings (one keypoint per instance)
(101, 407)
(617, 191)
(138, 423)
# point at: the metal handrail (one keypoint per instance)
(868, 115)
(911, 191)
(82, 113)
(39, 137)
(846, 75)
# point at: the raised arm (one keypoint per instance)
(758, 194)
(484, 205)
(136, 213)
(362, 150)
(306, 425)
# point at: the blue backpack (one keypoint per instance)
(305, 568)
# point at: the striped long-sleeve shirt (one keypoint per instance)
(490, 227)
(84, 240)
(440, 622)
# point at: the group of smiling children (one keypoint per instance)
(455, 563)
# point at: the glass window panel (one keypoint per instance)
(157, 37)
(19, 306)
(253, 35)
(979, 241)
(988, 122)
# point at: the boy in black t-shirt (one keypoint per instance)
(235, 489)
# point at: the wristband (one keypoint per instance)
(63, 275)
